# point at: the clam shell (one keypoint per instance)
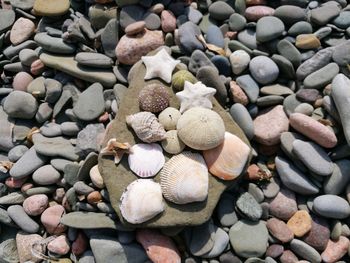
(141, 201)
(146, 126)
(227, 160)
(146, 160)
(184, 178)
(169, 118)
(172, 144)
(201, 128)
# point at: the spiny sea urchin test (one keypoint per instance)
(153, 98)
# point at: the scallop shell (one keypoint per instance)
(179, 78)
(201, 128)
(184, 178)
(227, 160)
(141, 201)
(146, 126)
(146, 160)
(169, 118)
(172, 144)
(154, 98)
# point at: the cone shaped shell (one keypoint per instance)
(146, 160)
(184, 178)
(227, 160)
(201, 128)
(146, 126)
(141, 201)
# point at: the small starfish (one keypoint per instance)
(160, 65)
(117, 149)
(195, 95)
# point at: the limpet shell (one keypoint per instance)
(227, 160)
(141, 201)
(154, 98)
(184, 178)
(146, 126)
(179, 78)
(146, 160)
(169, 118)
(201, 128)
(172, 144)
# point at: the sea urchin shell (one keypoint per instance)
(153, 98)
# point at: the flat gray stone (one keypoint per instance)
(110, 38)
(54, 44)
(241, 116)
(323, 14)
(320, 78)
(263, 69)
(247, 205)
(305, 251)
(20, 104)
(336, 183)
(249, 86)
(12, 199)
(90, 139)
(331, 206)
(7, 18)
(46, 175)
(25, 222)
(269, 28)
(8, 251)
(95, 60)
(6, 131)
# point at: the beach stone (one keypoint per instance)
(263, 69)
(24, 5)
(314, 157)
(159, 248)
(12, 198)
(323, 14)
(342, 20)
(290, 14)
(301, 27)
(54, 44)
(24, 242)
(6, 20)
(54, 147)
(268, 28)
(187, 33)
(335, 250)
(19, 104)
(319, 233)
(90, 139)
(130, 49)
(313, 130)
(341, 54)
(46, 175)
(247, 204)
(336, 183)
(283, 206)
(241, 116)
(21, 30)
(59, 246)
(279, 230)
(27, 164)
(168, 21)
(254, 13)
(308, 95)
(269, 125)
(222, 64)
(220, 10)
(237, 22)
(17, 152)
(68, 65)
(221, 241)
(110, 38)
(247, 37)
(226, 211)
(95, 60)
(238, 94)
(300, 223)
(239, 60)
(36, 204)
(190, 214)
(21, 81)
(307, 41)
(90, 104)
(240, 238)
(305, 251)
(200, 239)
(51, 7)
(289, 51)
(320, 78)
(214, 36)
(18, 215)
(51, 129)
(249, 86)
(8, 251)
(276, 89)
(135, 28)
(51, 217)
(331, 206)
(198, 60)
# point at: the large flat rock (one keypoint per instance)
(118, 177)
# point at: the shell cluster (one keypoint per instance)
(153, 98)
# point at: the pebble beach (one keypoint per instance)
(169, 131)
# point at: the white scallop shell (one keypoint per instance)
(141, 201)
(184, 178)
(146, 160)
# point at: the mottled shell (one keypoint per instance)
(153, 98)
(146, 160)
(179, 78)
(169, 118)
(227, 160)
(172, 144)
(184, 178)
(141, 201)
(201, 128)
(146, 126)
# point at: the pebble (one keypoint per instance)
(19, 104)
(94, 60)
(19, 216)
(331, 206)
(96, 177)
(322, 77)
(50, 7)
(307, 41)
(220, 10)
(214, 36)
(7, 19)
(263, 69)
(247, 205)
(59, 246)
(21, 30)
(51, 217)
(168, 21)
(21, 81)
(336, 183)
(269, 28)
(249, 86)
(300, 223)
(305, 251)
(319, 233)
(335, 250)
(239, 60)
(254, 13)
(17, 152)
(36, 204)
(283, 206)
(8, 251)
(324, 14)
(274, 250)
(46, 175)
(238, 94)
(54, 44)
(279, 230)
(241, 116)
(24, 242)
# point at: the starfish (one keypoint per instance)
(195, 95)
(160, 65)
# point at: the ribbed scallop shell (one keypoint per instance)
(227, 160)
(146, 160)
(172, 144)
(153, 98)
(146, 126)
(141, 201)
(201, 128)
(184, 178)
(169, 118)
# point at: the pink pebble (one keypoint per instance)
(36, 204)
(254, 13)
(37, 67)
(15, 183)
(21, 81)
(80, 244)
(60, 245)
(335, 250)
(21, 30)
(51, 217)
(168, 21)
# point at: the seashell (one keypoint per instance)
(184, 178)
(179, 78)
(201, 128)
(146, 160)
(153, 98)
(172, 144)
(141, 201)
(227, 160)
(116, 148)
(146, 126)
(169, 117)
